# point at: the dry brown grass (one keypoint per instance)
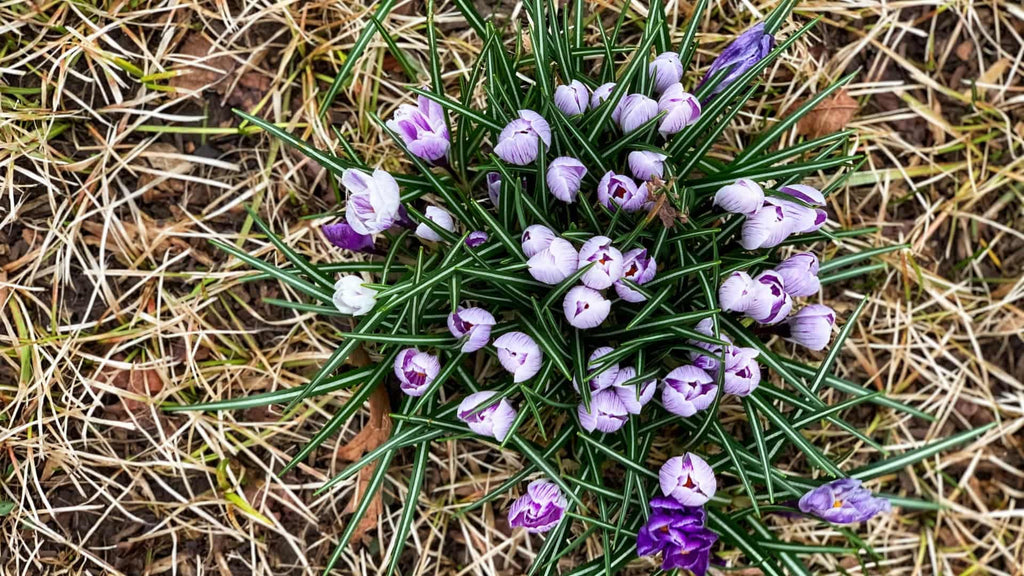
(116, 167)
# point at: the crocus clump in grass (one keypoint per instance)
(843, 501)
(540, 509)
(416, 370)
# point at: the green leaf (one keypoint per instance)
(897, 463)
(401, 534)
(801, 443)
(383, 9)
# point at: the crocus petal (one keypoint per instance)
(564, 176)
(573, 98)
(800, 274)
(472, 323)
(737, 292)
(519, 354)
(688, 479)
(556, 263)
(770, 304)
(438, 216)
(540, 509)
(495, 420)
(843, 501)
(373, 200)
(741, 55)
(633, 111)
(765, 229)
(351, 297)
(343, 236)
(607, 413)
(680, 107)
(665, 70)
(804, 193)
(600, 94)
(619, 191)
(476, 238)
(606, 259)
(519, 142)
(688, 390)
(536, 238)
(743, 196)
(645, 164)
(638, 268)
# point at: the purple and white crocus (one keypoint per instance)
(811, 327)
(645, 164)
(423, 129)
(638, 268)
(634, 395)
(688, 390)
(564, 176)
(800, 275)
(439, 216)
(494, 421)
(770, 304)
(476, 238)
(843, 501)
(607, 412)
(536, 238)
(606, 378)
(573, 98)
(416, 370)
(473, 324)
(519, 354)
(688, 479)
(519, 142)
(665, 70)
(555, 263)
(600, 94)
(606, 260)
(540, 509)
(680, 107)
(743, 196)
(585, 308)
(616, 191)
(373, 200)
(633, 111)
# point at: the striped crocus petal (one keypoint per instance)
(422, 128)
(519, 142)
(600, 94)
(494, 187)
(607, 413)
(709, 361)
(803, 193)
(572, 98)
(564, 176)
(645, 164)
(616, 191)
(633, 111)
(476, 238)
(607, 376)
(767, 228)
(737, 292)
(473, 324)
(771, 304)
(494, 421)
(742, 373)
(536, 238)
(680, 107)
(416, 370)
(606, 259)
(585, 308)
(540, 509)
(743, 196)
(665, 70)
(519, 354)
(811, 327)
(639, 268)
(688, 479)
(800, 274)
(554, 264)
(373, 200)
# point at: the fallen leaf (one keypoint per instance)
(964, 50)
(830, 115)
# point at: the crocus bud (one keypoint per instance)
(743, 196)
(373, 201)
(495, 421)
(564, 176)
(519, 354)
(800, 274)
(616, 191)
(665, 70)
(801, 219)
(811, 327)
(555, 263)
(736, 293)
(438, 216)
(767, 228)
(473, 324)
(770, 304)
(585, 308)
(351, 297)
(742, 373)
(635, 395)
(343, 236)
(607, 412)
(422, 128)
(680, 107)
(741, 55)
(607, 261)
(633, 111)
(645, 164)
(494, 187)
(688, 390)
(540, 509)
(519, 142)
(638, 268)
(678, 532)
(606, 378)
(536, 238)
(476, 238)
(572, 98)
(600, 94)
(843, 501)
(688, 479)
(416, 370)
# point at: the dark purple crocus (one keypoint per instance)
(638, 268)
(476, 238)
(343, 236)
(843, 501)
(678, 532)
(741, 55)
(540, 509)
(473, 324)
(422, 128)
(416, 370)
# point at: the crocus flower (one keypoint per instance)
(843, 501)
(373, 200)
(636, 395)
(494, 421)
(476, 238)
(540, 509)
(665, 70)
(606, 378)
(680, 107)
(678, 532)
(438, 216)
(688, 390)
(600, 94)
(536, 238)
(585, 308)
(345, 237)
(555, 263)
(620, 191)
(351, 297)
(743, 196)
(564, 176)
(741, 55)
(422, 128)
(572, 98)
(800, 274)
(742, 372)
(767, 228)
(811, 327)
(801, 219)
(519, 142)
(416, 370)
(607, 261)
(607, 412)
(737, 292)
(473, 324)
(633, 111)
(519, 354)
(494, 187)
(770, 304)
(645, 164)
(638, 268)
(688, 479)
